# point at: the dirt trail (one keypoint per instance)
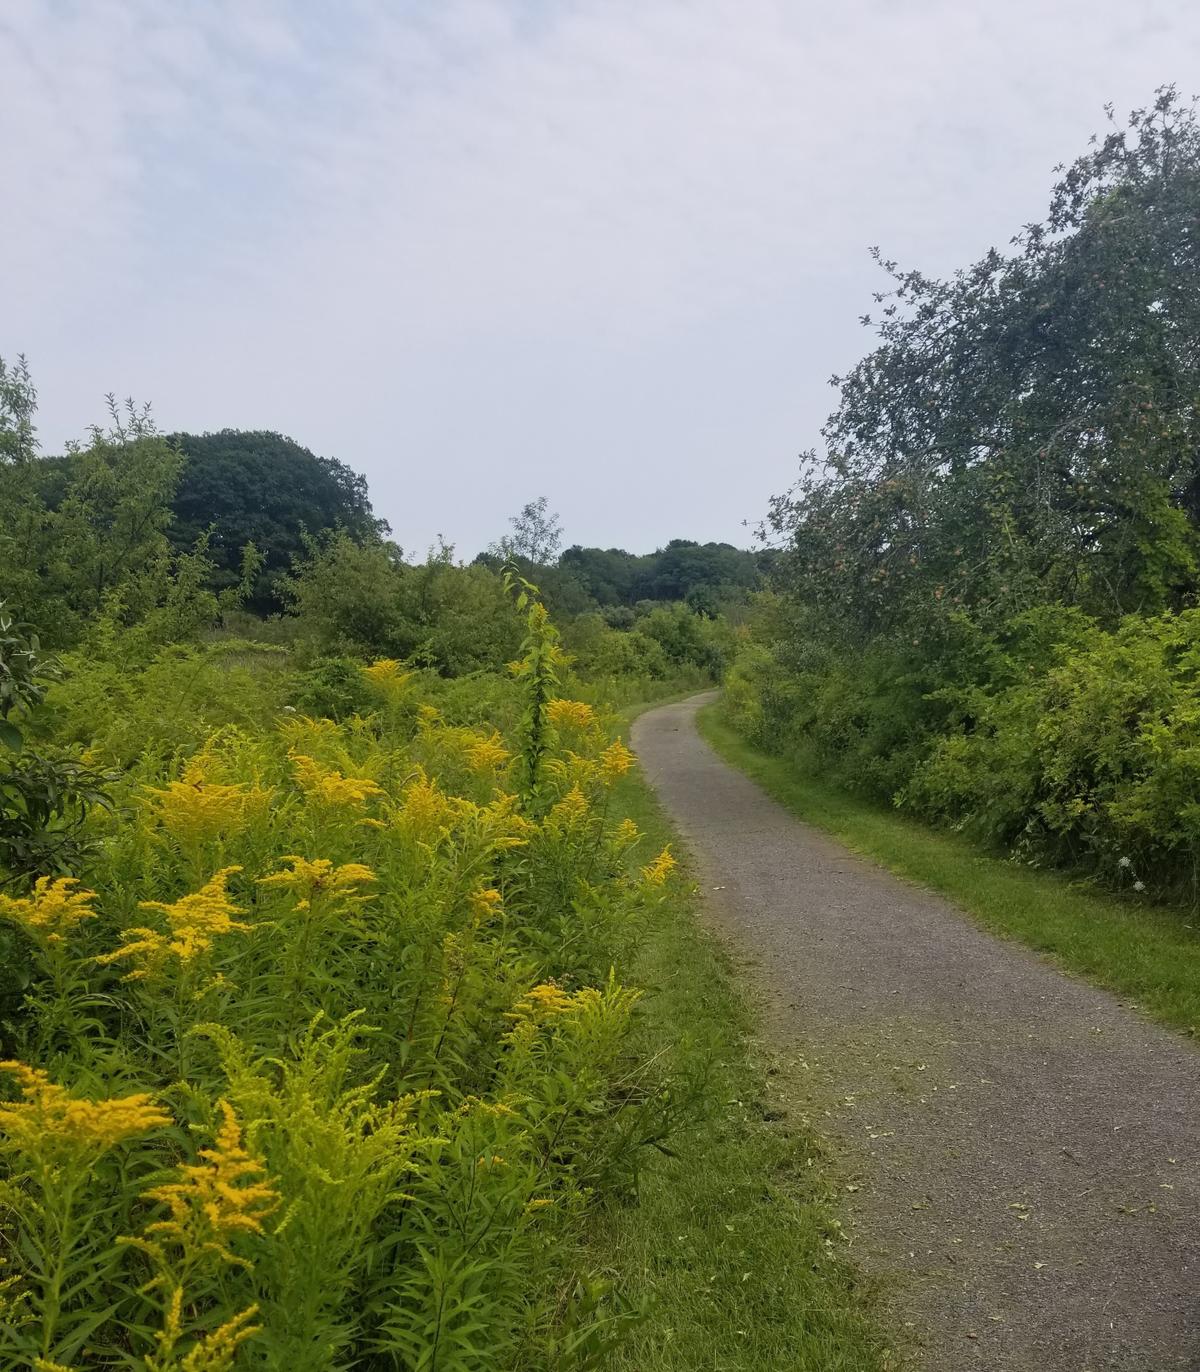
(1027, 1151)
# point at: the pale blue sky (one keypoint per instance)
(609, 251)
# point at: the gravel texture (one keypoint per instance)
(1022, 1151)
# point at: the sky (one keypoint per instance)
(605, 251)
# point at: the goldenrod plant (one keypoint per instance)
(321, 1059)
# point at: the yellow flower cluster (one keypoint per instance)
(615, 761)
(487, 755)
(427, 809)
(312, 879)
(52, 1124)
(627, 833)
(51, 911)
(329, 787)
(194, 921)
(214, 1201)
(213, 1352)
(656, 873)
(571, 810)
(542, 1002)
(484, 904)
(304, 734)
(196, 811)
(387, 676)
(570, 714)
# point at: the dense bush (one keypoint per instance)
(318, 1060)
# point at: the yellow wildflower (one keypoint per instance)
(50, 1123)
(194, 921)
(214, 1201)
(329, 787)
(51, 911)
(45, 1365)
(572, 809)
(542, 1002)
(615, 761)
(627, 833)
(427, 809)
(387, 675)
(301, 732)
(196, 811)
(657, 872)
(570, 714)
(487, 755)
(429, 715)
(312, 878)
(215, 1352)
(484, 904)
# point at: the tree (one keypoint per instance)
(262, 488)
(535, 539)
(1027, 430)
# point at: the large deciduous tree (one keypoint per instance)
(1027, 430)
(262, 488)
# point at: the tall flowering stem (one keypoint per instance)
(54, 1141)
(538, 669)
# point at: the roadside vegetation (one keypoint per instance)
(342, 1018)
(734, 1248)
(984, 610)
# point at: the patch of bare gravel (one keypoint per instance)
(1024, 1152)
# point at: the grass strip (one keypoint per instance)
(1149, 956)
(734, 1242)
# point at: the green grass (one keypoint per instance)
(734, 1242)
(1147, 955)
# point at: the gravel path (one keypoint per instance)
(1026, 1150)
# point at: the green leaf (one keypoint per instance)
(10, 736)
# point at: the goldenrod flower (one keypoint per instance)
(484, 904)
(387, 674)
(194, 920)
(312, 878)
(570, 714)
(542, 1002)
(627, 833)
(303, 731)
(51, 911)
(52, 1124)
(487, 754)
(197, 811)
(214, 1201)
(615, 761)
(657, 872)
(572, 809)
(329, 787)
(215, 1352)
(426, 809)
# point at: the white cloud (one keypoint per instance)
(483, 249)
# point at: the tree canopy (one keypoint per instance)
(253, 486)
(1027, 430)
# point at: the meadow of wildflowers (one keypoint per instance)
(320, 1060)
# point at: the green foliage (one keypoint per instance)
(1024, 432)
(364, 600)
(244, 487)
(708, 574)
(986, 589)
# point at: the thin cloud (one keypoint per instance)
(606, 250)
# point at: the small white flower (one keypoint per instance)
(1124, 862)
(1139, 885)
